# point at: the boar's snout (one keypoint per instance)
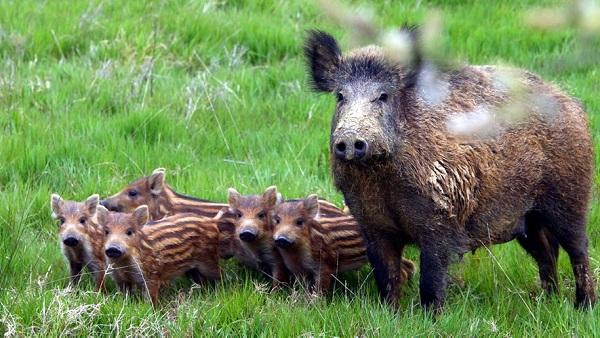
(248, 234)
(114, 251)
(71, 241)
(283, 242)
(349, 146)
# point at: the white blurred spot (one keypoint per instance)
(478, 121)
(397, 46)
(589, 15)
(431, 85)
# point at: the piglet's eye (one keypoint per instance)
(61, 220)
(261, 215)
(339, 96)
(129, 232)
(276, 220)
(132, 193)
(82, 220)
(300, 222)
(383, 97)
(106, 232)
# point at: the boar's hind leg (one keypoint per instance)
(385, 256)
(569, 229)
(543, 247)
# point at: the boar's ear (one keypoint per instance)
(141, 215)
(56, 204)
(269, 197)
(323, 57)
(91, 203)
(102, 215)
(157, 181)
(311, 204)
(233, 198)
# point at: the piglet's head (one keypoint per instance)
(122, 231)
(292, 221)
(75, 219)
(251, 214)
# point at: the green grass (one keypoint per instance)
(79, 115)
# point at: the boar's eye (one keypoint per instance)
(300, 222)
(82, 220)
(261, 215)
(383, 97)
(129, 232)
(339, 96)
(132, 193)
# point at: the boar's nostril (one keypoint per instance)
(340, 150)
(113, 252)
(360, 149)
(70, 241)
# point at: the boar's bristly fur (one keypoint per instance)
(408, 180)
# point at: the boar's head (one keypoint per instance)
(367, 124)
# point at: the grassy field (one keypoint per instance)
(94, 94)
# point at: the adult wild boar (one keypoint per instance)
(408, 180)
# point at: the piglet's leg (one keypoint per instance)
(75, 270)
(99, 276)
(323, 280)
(153, 287)
(280, 275)
(196, 276)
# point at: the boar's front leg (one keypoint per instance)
(434, 262)
(385, 255)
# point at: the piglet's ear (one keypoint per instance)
(233, 198)
(311, 204)
(157, 181)
(323, 57)
(141, 215)
(56, 204)
(91, 203)
(269, 197)
(102, 215)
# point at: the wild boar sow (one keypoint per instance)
(408, 180)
